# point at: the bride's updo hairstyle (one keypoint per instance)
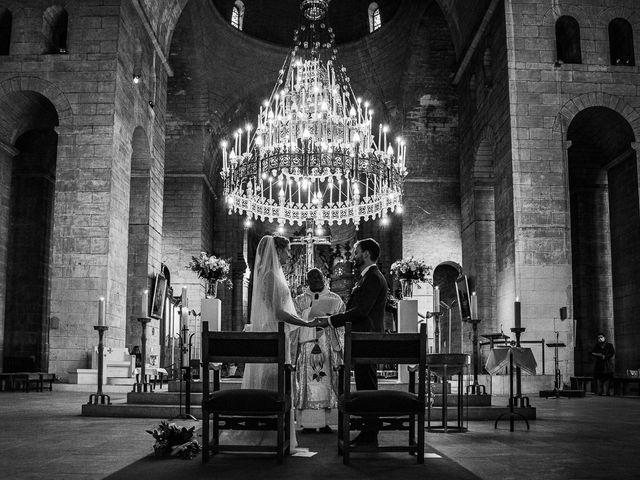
(280, 242)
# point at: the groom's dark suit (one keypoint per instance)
(365, 311)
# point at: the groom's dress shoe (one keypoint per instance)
(365, 439)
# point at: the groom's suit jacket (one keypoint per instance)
(365, 308)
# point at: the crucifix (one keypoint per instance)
(310, 240)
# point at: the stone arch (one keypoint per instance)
(46, 89)
(28, 159)
(608, 14)
(550, 17)
(602, 171)
(575, 105)
(444, 277)
(55, 22)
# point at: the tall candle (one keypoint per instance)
(144, 304)
(516, 313)
(185, 303)
(474, 306)
(436, 299)
(101, 313)
(449, 342)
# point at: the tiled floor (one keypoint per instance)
(43, 436)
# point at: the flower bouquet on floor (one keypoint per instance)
(409, 272)
(174, 441)
(212, 269)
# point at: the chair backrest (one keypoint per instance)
(401, 348)
(243, 347)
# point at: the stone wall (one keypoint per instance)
(91, 89)
(545, 97)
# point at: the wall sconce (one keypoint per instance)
(136, 78)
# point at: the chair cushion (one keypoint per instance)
(247, 400)
(380, 401)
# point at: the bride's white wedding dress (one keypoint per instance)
(270, 293)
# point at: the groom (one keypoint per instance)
(365, 311)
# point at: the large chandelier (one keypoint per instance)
(314, 155)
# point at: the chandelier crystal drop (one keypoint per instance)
(313, 154)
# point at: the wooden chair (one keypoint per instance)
(245, 409)
(396, 410)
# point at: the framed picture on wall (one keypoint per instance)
(159, 293)
(462, 292)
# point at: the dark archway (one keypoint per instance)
(5, 31)
(444, 277)
(27, 181)
(605, 234)
(568, 40)
(55, 22)
(621, 42)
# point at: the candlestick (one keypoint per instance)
(436, 299)
(185, 302)
(101, 314)
(516, 313)
(184, 317)
(474, 306)
(144, 304)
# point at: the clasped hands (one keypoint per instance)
(321, 322)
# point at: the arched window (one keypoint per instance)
(54, 29)
(568, 40)
(5, 31)
(621, 42)
(375, 22)
(237, 15)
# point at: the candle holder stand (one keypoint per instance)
(475, 388)
(436, 331)
(185, 373)
(519, 400)
(142, 385)
(99, 397)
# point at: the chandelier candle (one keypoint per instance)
(312, 133)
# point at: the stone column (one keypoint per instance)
(7, 152)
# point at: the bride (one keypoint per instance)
(271, 303)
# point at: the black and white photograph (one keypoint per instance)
(348, 239)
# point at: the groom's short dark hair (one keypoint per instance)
(371, 246)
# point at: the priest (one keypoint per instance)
(318, 351)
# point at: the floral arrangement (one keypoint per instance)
(412, 270)
(409, 272)
(175, 441)
(211, 268)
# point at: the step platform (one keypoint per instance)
(562, 393)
